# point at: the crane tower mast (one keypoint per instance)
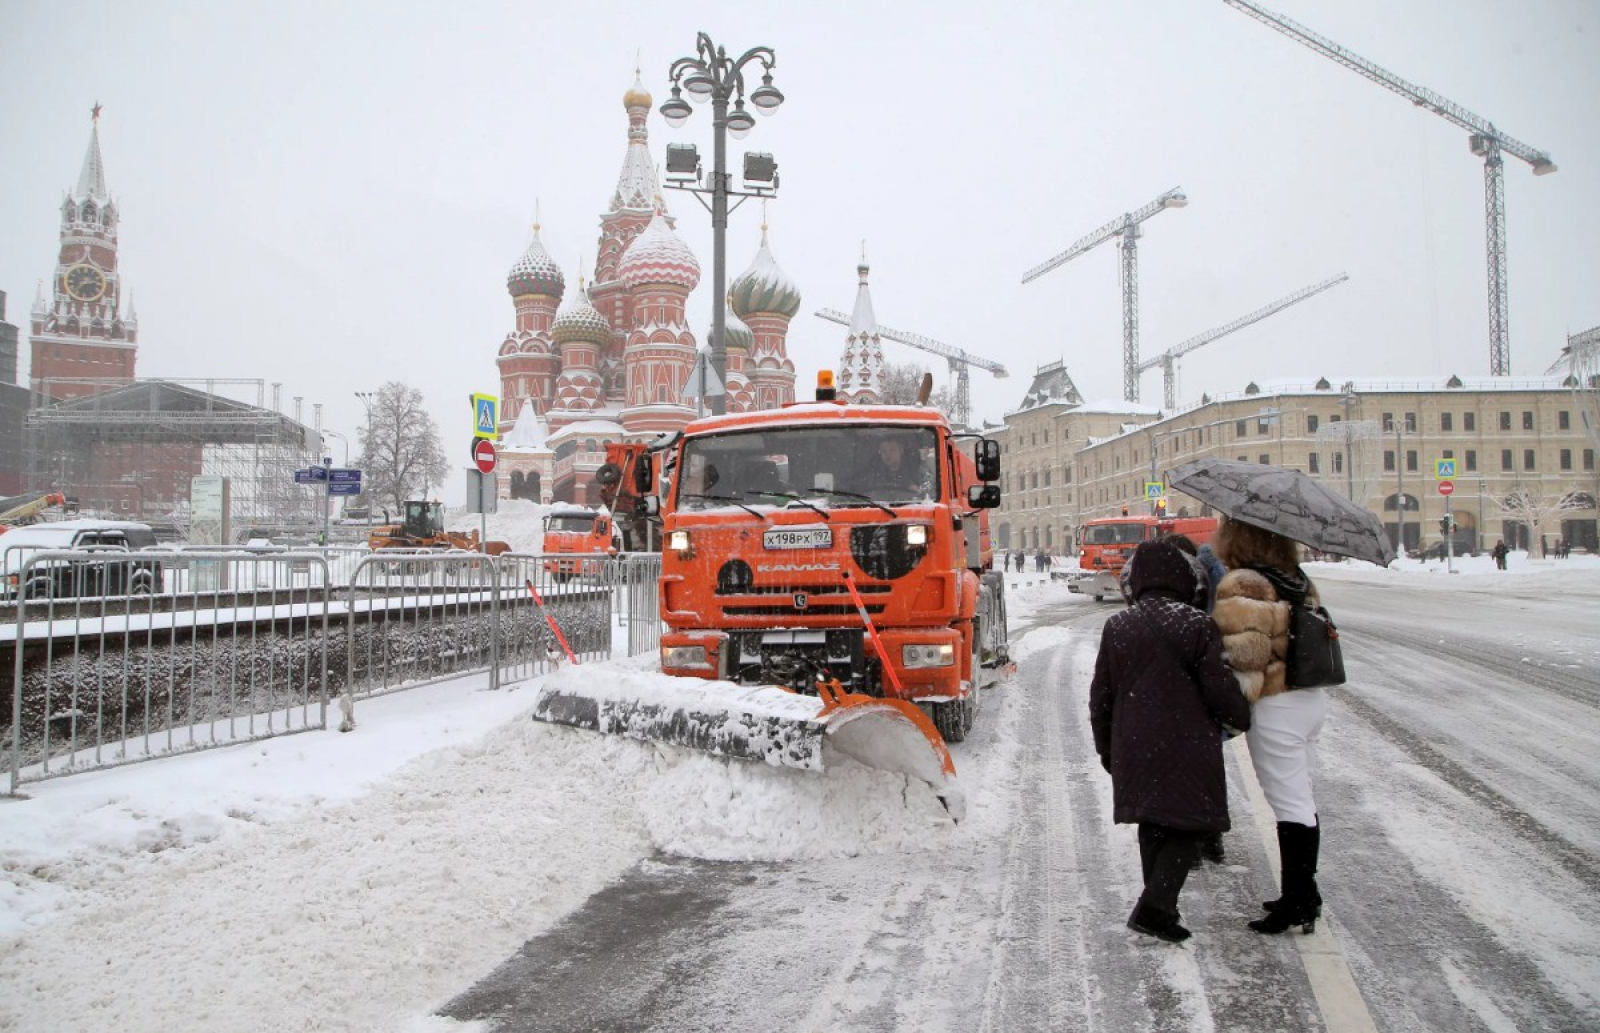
(1485, 140)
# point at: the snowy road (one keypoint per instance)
(1460, 794)
(454, 866)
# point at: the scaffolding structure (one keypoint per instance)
(130, 449)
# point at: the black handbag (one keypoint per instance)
(1314, 655)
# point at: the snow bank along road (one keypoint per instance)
(538, 878)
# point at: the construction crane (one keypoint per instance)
(1126, 227)
(1485, 140)
(959, 360)
(1168, 360)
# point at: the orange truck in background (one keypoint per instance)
(793, 551)
(1106, 543)
(572, 534)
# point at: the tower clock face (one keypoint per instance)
(85, 282)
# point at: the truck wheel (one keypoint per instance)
(953, 718)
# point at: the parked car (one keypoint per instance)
(56, 579)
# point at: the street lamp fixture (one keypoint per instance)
(712, 75)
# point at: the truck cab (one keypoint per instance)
(573, 535)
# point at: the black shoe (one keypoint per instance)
(1160, 924)
(1273, 905)
(1284, 917)
(1211, 849)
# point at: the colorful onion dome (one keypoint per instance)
(579, 321)
(637, 96)
(737, 333)
(658, 255)
(764, 287)
(535, 272)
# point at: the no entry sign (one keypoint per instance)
(1446, 487)
(484, 455)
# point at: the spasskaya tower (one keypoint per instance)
(82, 339)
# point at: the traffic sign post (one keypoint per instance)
(1448, 488)
(485, 416)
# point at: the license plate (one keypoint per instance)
(804, 538)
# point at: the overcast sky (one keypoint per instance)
(330, 195)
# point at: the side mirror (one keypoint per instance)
(986, 457)
(983, 496)
(644, 474)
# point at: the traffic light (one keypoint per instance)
(1124, 510)
(1444, 525)
(1161, 508)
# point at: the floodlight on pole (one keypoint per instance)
(712, 75)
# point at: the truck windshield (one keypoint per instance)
(835, 466)
(580, 522)
(1113, 534)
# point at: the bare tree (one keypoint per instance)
(901, 383)
(401, 456)
(1535, 510)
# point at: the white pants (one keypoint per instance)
(1283, 735)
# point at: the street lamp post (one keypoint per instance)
(1399, 494)
(712, 75)
(1348, 401)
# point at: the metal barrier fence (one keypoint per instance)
(124, 656)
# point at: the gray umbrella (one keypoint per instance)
(1290, 503)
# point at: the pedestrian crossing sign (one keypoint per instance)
(1444, 469)
(1155, 490)
(485, 409)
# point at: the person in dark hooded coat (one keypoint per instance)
(1161, 696)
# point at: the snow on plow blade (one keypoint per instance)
(759, 723)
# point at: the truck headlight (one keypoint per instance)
(678, 542)
(942, 655)
(917, 534)
(683, 656)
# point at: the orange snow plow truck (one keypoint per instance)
(827, 571)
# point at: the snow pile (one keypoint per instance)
(519, 522)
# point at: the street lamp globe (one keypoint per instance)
(766, 97)
(675, 110)
(700, 85)
(740, 121)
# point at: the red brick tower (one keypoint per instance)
(81, 340)
(527, 361)
(659, 271)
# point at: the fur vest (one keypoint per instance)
(1255, 630)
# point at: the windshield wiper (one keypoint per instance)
(868, 499)
(793, 498)
(720, 498)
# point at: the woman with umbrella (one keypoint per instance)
(1268, 510)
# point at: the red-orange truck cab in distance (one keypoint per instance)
(766, 515)
(1106, 543)
(573, 533)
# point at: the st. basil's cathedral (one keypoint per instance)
(611, 363)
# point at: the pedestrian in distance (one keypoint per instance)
(1254, 598)
(1161, 696)
(1499, 554)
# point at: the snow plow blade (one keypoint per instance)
(759, 723)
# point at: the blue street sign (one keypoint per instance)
(311, 475)
(344, 476)
(344, 488)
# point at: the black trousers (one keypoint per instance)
(1166, 854)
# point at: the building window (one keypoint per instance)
(1505, 459)
(1311, 423)
(1469, 421)
(1244, 459)
(1527, 459)
(1264, 459)
(1449, 453)
(1446, 421)
(1472, 460)
(1047, 478)
(1505, 421)
(1388, 460)
(1588, 460)
(1566, 457)
(1564, 420)
(1411, 462)
(1312, 465)
(1338, 462)
(1238, 429)
(1527, 421)
(1411, 423)
(1388, 423)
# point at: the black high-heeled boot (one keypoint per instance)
(1301, 903)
